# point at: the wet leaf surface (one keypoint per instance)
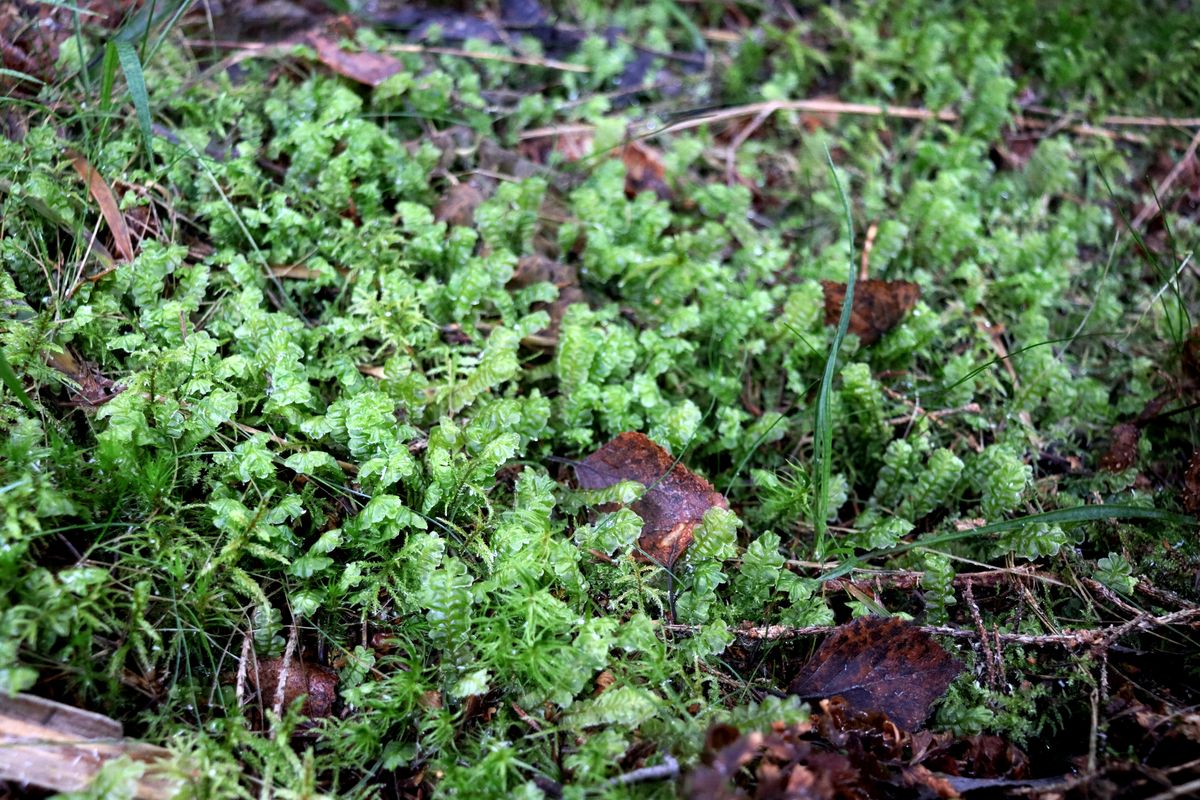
(877, 308)
(675, 499)
(876, 664)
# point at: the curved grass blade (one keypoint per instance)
(131, 65)
(1062, 515)
(10, 379)
(823, 432)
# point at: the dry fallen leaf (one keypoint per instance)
(880, 664)
(1191, 484)
(644, 170)
(371, 69)
(109, 208)
(536, 269)
(458, 205)
(93, 388)
(317, 682)
(878, 306)
(675, 499)
(1123, 449)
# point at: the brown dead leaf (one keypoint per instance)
(363, 67)
(109, 208)
(458, 205)
(781, 763)
(1190, 360)
(878, 306)
(572, 145)
(919, 777)
(91, 387)
(536, 269)
(644, 170)
(1191, 484)
(675, 499)
(877, 664)
(318, 683)
(1123, 449)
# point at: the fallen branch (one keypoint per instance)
(1098, 638)
(1148, 211)
(836, 107)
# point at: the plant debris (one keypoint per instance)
(877, 308)
(317, 683)
(879, 664)
(675, 499)
(359, 66)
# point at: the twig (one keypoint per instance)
(1149, 210)
(1151, 122)
(818, 107)
(529, 61)
(904, 419)
(1188, 789)
(989, 658)
(289, 652)
(868, 245)
(1111, 596)
(240, 686)
(528, 720)
(668, 769)
(913, 579)
(1100, 638)
(1163, 595)
(284, 48)
(744, 134)
(915, 414)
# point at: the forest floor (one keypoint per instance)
(577, 400)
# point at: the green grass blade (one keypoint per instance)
(131, 65)
(823, 430)
(1063, 515)
(10, 379)
(21, 76)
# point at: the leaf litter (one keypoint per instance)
(675, 499)
(880, 664)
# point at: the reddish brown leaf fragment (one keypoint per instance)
(1123, 449)
(458, 205)
(536, 269)
(317, 682)
(93, 388)
(675, 499)
(644, 170)
(109, 208)
(876, 664)
(364, 67)
(1190, 360)
(877, 308)
(1191, 484)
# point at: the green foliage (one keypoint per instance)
(368, 454)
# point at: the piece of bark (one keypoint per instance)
(61, 748)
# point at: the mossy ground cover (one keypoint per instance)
(315, 412)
